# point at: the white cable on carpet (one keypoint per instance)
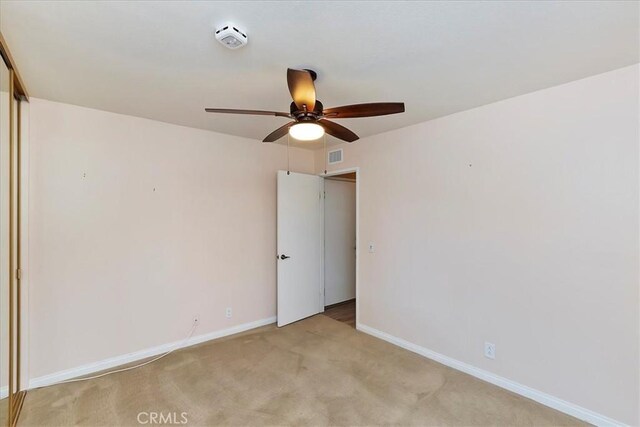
(178, 346)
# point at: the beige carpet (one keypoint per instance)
(4, 411)
(315, 372)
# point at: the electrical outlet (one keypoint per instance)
(372, 248)
(489, 350)
(228, 312)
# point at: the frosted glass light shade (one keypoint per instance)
(306, 131)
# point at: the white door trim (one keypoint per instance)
(357, 172)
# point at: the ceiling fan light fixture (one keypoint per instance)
(308, 114)
(306, 131)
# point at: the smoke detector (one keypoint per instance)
(232, 37)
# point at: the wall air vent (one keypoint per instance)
(335, 156)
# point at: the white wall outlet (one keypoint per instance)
(372, 247)
(489, 350)
(228, 312)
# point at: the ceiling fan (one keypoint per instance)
(309, 115)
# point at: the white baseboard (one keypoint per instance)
(112, 362)
(540, 397)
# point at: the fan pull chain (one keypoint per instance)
(288, 168)
(324, 138)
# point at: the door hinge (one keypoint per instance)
(18, 274)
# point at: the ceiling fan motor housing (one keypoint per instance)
(231, 37)
(309, 115)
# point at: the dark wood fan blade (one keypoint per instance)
(302, 89)
(364, 110)
(278, 133)
(253, 112)
(338, 131)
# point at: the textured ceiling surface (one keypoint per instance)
(160, 60)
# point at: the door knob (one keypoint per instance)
(283, 256)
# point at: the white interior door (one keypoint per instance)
(300, 246)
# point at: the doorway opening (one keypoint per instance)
(317, 257)
(340, 246)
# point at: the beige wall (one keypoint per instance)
(135, 226)
(514, 223)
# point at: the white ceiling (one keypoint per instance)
(160, 60)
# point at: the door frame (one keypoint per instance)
(18, 127)
(355, 169)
